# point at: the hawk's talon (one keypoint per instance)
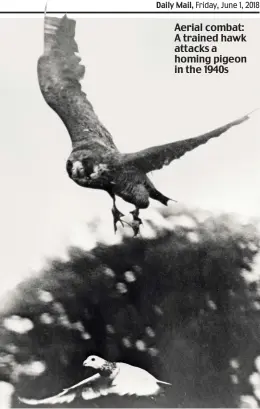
(117, 217)
(135, 214)
(136, 222)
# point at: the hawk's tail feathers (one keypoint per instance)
(160, 197)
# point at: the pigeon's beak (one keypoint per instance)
(85, 363)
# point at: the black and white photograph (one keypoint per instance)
(130, 210)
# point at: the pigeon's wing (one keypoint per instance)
(61, 398)
(67, 395)
(158, 156)
(59, 75)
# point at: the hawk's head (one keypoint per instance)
(79, 166)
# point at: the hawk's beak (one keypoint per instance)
(93, 175)
(77, 169)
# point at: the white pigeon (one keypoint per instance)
(112, 378)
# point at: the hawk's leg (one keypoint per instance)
(136, 221)
(116, 214)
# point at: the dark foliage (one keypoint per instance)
(178, 305)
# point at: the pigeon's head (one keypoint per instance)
(94, 361)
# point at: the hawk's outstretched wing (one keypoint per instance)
(158, 156)
(90, 388)
(59, 75)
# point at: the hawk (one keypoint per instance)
(111, 378)
(95, 162)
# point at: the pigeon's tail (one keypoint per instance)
(165, 383)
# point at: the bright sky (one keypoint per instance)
(130, 81)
